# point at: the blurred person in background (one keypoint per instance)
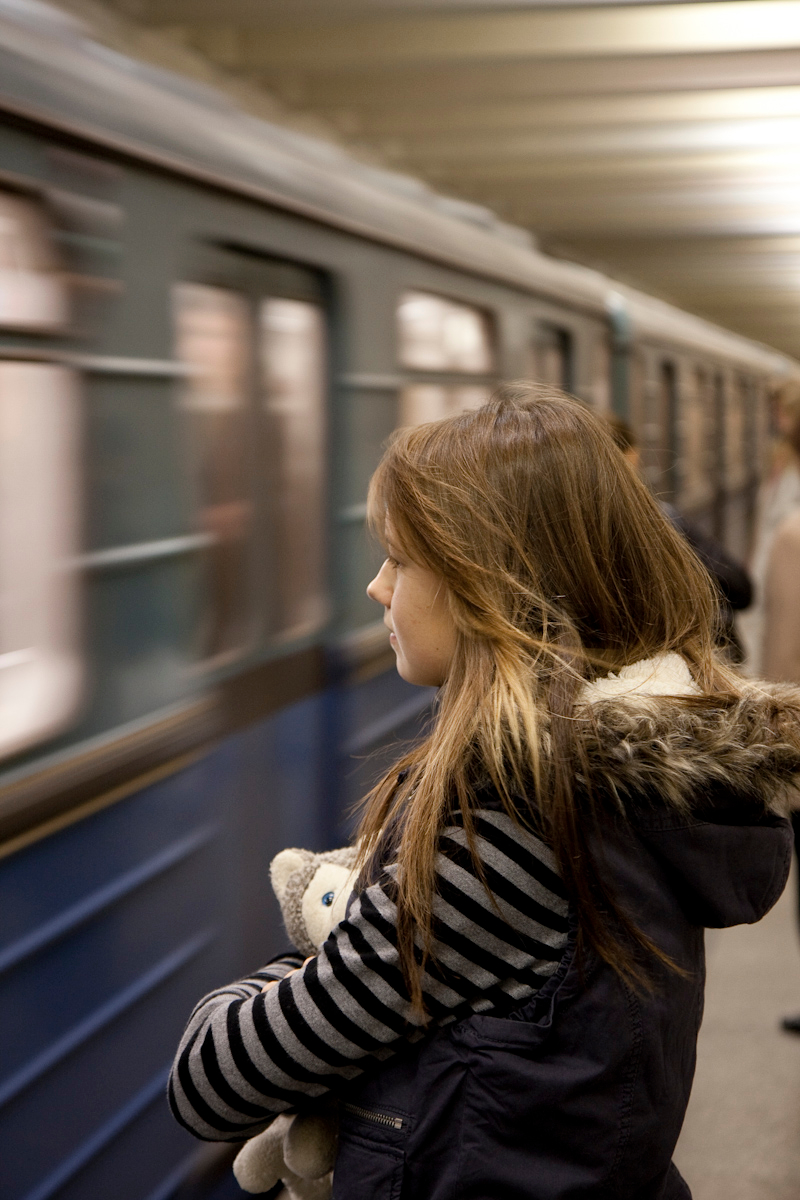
(778, 498)
(781, 637)
(771, 630)
(731, 578)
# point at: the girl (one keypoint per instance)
(510, 1008)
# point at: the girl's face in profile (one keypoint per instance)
(423, 634)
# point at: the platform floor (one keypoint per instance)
(741, 1137)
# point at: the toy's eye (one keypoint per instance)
(328, 899)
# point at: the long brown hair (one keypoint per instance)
(559, 566)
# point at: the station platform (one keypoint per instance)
(741, 1137)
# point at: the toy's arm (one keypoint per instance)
(245, 1058)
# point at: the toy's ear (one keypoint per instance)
(283, 866)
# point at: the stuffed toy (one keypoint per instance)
(299, 1150)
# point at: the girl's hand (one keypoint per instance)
(272, 982)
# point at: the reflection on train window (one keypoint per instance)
(213, 339)
(293, 375)
(41, 668)
(436, 334)
(32, 296)
(551, 356)
(430, 401)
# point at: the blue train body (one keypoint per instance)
(115, 926)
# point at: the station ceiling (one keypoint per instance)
(658, 141)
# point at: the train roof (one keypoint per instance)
(52, 72)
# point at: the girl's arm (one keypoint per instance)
(247, 1055)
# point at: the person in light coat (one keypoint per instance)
(779, 497)
(781, 644)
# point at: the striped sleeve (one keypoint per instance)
(247, 1054)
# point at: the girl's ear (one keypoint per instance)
(283, 866)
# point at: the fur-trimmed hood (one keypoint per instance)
(649, 729)
(704, 782)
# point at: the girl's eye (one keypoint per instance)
(392, 562)
(328, 899)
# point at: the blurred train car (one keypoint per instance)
(208, 328)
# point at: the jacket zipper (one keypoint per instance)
(378, 1118)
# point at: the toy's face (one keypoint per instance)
(325, 900)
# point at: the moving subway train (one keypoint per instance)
(208, 327)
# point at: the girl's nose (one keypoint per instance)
(378, 589)
(371, 589)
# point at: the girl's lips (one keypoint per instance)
(392, 638)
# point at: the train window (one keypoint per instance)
(41, 664)
(436, 334)
(254, 403)
(214, 340)
(32, 296)
(293, 376)
(41, 667)
(551, 356)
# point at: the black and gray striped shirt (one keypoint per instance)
(247, 1055)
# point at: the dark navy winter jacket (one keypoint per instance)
(581, 1092)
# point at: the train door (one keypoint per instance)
(251, 333)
